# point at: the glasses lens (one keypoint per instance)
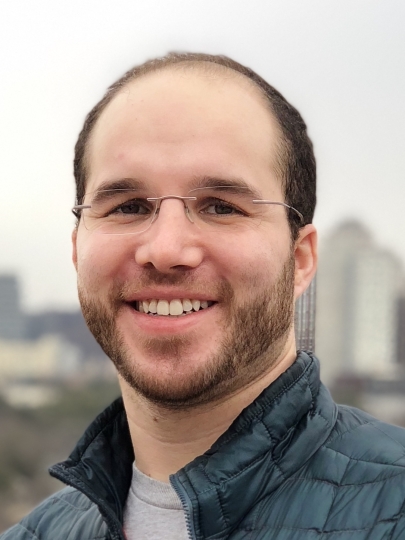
(220, 207)
(118, 211)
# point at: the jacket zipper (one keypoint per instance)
(187, 507)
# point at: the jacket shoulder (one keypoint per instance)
(361, 451)
(353, 486)
(66, 514)
(362, 438)
(359, 473)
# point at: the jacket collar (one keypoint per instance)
(101, 465)
(268, 442)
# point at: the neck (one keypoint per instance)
(164, 440)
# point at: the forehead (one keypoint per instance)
(182, 124)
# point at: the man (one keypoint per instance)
(195, 196)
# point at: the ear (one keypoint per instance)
(306, 258)
(74, 247)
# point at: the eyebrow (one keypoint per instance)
(234, 185)
(238, 186)
(103, 192)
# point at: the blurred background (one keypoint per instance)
(341, 63)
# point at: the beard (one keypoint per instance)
(255, 333)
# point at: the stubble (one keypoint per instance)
(255, 333)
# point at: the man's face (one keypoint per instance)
(169, 130)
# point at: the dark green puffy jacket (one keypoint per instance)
(293, 465)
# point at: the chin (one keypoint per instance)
(170, 376)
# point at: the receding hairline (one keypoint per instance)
(201, 68)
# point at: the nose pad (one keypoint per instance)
(158, 201)
(188, 212)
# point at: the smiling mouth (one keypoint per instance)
(172, 308)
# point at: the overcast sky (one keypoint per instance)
(341, 63)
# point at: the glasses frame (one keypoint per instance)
(77, 208)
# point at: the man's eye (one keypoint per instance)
(220, 208)
(134, 207)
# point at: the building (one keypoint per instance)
(334, 258)
(371, 306)
(48, 358)
(357, 305)
(11, 316)
(304, 322)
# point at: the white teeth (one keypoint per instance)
(163, 307)
(187, 305)
(176, 307)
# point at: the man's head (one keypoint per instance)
(167, 130)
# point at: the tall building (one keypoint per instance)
(305, 310)
(11, 316)
(334, 259)
(371, 304)
(357, 294)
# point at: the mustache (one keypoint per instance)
(152, 277)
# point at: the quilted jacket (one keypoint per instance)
(293, 465)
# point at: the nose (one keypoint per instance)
(172, 241)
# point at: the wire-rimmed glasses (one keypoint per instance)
(132, 211)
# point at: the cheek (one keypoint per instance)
(100, 261)
(253, 262)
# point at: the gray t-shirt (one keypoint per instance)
(153, 510)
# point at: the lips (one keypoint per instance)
(175, 307)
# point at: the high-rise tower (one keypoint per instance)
(357, 306)
(11, 316)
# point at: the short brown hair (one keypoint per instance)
(296, 159)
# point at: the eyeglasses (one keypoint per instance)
(131, 211)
